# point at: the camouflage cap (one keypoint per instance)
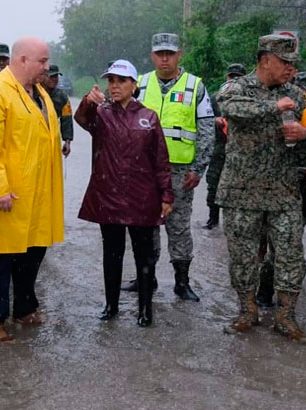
(284, 47)
(236, 69)
(54, 70)
(4, 50)
(165, 42)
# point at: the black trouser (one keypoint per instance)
(5, 276)
(24, 273)
(113, 252)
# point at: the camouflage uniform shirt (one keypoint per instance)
(64, 112)
(260, 172)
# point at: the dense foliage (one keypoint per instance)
(219, 33)
(210, 47)
(99, 31)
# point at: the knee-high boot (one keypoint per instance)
(112, 282)
(145, 293)
(182, 287)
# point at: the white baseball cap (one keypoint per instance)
(123, 68)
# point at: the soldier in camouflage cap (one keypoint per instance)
(4, 56)
(62, 106)
(260, 181)
(235, 70)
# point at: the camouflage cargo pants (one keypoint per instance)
(243, 230)
(180, 245)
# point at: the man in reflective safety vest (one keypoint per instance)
(183, 106)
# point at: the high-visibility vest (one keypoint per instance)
(176, 111)
(303, 119)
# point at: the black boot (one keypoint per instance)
(213, 217)
(112, 283)
(109, 312)
(132, 286)
(182, 288)
(265, 291)
(145, 293)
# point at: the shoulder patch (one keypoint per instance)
(226, 87)
(204, 108)
(66, 110)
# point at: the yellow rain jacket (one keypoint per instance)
(30, 167)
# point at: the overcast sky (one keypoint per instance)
(36, 18)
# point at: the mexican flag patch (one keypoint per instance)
(176, 96)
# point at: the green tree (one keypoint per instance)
(99, 31)
(201, 55)
(238, 40)
(220, 32)
(211, 45)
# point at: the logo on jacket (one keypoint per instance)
(144, 123)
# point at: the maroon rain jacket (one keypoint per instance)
(131, 171)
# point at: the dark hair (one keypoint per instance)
(136, 92)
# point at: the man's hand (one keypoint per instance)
(95, 95)
(66, 148)
(222, 125)
(285, 104)
(294, 132)
(6, 202)
(191, 180)
(166, 209)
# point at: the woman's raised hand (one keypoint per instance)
(95, 95)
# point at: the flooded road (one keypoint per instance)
(184, 361)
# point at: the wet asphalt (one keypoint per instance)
(184, 361)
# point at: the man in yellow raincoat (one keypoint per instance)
(31, 186)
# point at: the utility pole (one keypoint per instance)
(186, 11)
(186, 14)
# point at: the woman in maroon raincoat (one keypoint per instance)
(130, 185)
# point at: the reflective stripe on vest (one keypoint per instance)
(189, 90)
(179, 134)
(177, 112)
(143, 86)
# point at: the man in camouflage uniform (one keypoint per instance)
(260, 180)
(183, 105)
(265, 291)
(218, 157)
(4, 56)
(62, 106)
